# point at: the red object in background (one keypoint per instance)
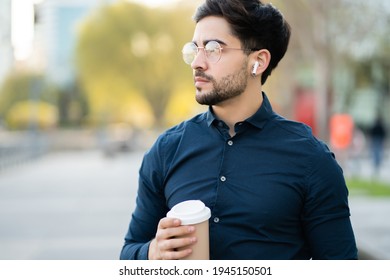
(304, 108)
(341, 131)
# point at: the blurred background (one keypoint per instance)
(87, 85)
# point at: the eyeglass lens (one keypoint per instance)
(212, 51)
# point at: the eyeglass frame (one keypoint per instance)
(220, 48)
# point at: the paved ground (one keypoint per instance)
(370, 216)
(371, 223)
(67, 206)
(77, 206)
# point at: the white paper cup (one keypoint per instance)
(194, 212)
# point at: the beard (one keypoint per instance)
(228, 87)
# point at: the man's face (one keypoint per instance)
(216, 82)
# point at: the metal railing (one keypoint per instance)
(20, 148)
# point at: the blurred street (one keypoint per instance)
(369, 215)
(67, 206)
(77, 205)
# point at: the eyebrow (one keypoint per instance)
(216, 40)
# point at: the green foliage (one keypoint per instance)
(22, 89)
(25, 114)
(24, 86)
(368, 187)
(129, 53)
(26, 100)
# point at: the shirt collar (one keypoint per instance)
(263, 114)
(210, 116)
(258, 119)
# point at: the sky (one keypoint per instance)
(23, 27)
(155, 3)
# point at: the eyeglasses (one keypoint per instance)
(212, 50)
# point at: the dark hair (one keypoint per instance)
(257, 25)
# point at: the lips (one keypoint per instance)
(199, 81)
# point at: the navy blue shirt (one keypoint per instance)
(274, 190)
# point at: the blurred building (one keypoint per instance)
(56, 25)
(6, 53)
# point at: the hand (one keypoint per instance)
(171, 240)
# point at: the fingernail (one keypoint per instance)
(191, 229)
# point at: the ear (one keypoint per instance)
(263, 57)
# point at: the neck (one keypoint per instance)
(238, 108)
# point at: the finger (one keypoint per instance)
(168, 223)
(174, 232)
(175, 244)
(176, 255)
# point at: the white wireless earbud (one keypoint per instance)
(254, 69)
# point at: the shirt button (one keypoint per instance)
(216, 220)
(223, 178)
(230, 143)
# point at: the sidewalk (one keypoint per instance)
(369, 215)
(370, 221)
(67, 206)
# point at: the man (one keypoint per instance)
(378, 136)
(275, 192)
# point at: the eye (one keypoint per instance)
(212, 47)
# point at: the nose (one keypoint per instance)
(200, 60)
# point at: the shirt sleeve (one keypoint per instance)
(326, 215)
(150, 206)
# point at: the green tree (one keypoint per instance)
(129, 60)
(21, 87)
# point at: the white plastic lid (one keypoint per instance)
(190, 212)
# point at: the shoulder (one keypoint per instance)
(323, 174)
(160, 155)
(179, 128)
(296, 133)
(321, 163)
(170, 139)
(296, 140)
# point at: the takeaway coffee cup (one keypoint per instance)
(194, 212)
